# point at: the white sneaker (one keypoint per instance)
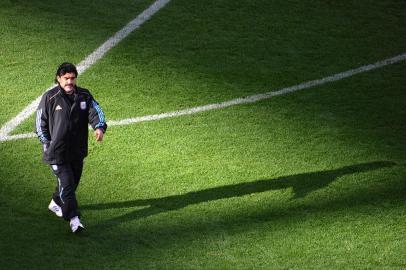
(75, 225)
(53, 207)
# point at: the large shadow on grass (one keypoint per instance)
(301, 184)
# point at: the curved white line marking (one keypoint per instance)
(244, 100)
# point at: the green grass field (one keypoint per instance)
(310, 180)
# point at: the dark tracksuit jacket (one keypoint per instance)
(62, 127)
(62, 124)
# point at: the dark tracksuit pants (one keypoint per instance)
(68, 177)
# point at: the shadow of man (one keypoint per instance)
(302, 184)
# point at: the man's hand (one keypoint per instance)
(98, 133)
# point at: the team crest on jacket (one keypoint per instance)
(83, 105)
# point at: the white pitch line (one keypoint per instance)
(86, 63)
(243, 100)
(258, 97)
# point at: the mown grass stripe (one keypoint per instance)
(243, 100)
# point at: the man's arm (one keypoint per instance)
(41, 123)
(97, 119)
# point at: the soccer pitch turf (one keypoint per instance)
(308, 180)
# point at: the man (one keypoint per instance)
(61, 124)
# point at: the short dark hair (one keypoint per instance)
(64, 68)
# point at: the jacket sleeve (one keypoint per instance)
(96, 116)
(41, 122)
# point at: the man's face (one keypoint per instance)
(67, 82)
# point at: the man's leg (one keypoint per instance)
(55, 196)
(77, 168)
(55, 204)
(65, 195)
